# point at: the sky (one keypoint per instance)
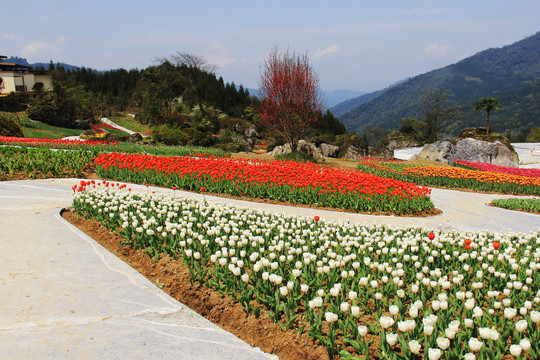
(352, 44)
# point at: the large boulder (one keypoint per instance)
(328, 150)
(441, 151)
(303, 147)
(353, 153)
(469, 149)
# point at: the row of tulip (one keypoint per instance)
(392, 293)
(43, 162)
(454, 177)
(52, 143)
(528, 205)
(498, 168)
(287, 181)
(103, 146)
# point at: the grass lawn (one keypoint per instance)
(130, 123)
(38, 130)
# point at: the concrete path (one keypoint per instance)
(65, 297)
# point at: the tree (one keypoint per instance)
(290, 95)
(488, 104)
(197, 69)
(438, 112)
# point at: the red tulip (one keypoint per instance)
(496, 245)
(467, 246)
(317, 218)
(431, 236)
(468, 241)
(203, 188)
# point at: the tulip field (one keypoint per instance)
(43, 162)
(528, 205)
(499, 169)
(288, 181)
(362, 291)
(487, 179)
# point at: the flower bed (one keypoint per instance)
(395, 293)
(454, 177)
(499, 169)
(53, 143)
(287, 181)
(527, 205)
(43, 162)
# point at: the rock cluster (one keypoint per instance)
(469, 149)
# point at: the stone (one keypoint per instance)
(328, 150)
(353, 153)
(495, 153)
(303, 147)
(81, 124)
(441, 151)
(251, 132)
(469, 149)
(135, 137)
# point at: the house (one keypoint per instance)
(21, 79)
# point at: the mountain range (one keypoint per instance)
(510, 74)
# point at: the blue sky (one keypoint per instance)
(352, 44)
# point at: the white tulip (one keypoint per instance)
(414, 347)
(515, 350)
(434, 354)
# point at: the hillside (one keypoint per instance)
(500, 72)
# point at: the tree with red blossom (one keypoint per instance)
(290, 95)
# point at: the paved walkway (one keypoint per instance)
(65, 297)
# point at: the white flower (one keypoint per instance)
(434, 354)
(450, 333)
(330, 316)
(355, 311)
(391, 339)
(525, 344)
(510, 313)
(535, 316)
(475, 344)
(393, 309)
(353, 295)
(284, 291)
(245, 278)
(515, 350)
(362, 330)
(428, 330)
(469, 356)
(414, 347)
(485, 333)
(494, 335)
(443, 343)
(344, 307)
(386, 322)
(521, 325)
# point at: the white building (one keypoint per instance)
(20, 79)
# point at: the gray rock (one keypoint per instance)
(352, 153)
(328, 150)
(81, 124)
(135, 137)
(251, 132)
(303, 147)
(469, 149)
(442, 151)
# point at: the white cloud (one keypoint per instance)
(37, 47)
(10, 36)
(332, 49)
(436, 50)
(220, 56)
